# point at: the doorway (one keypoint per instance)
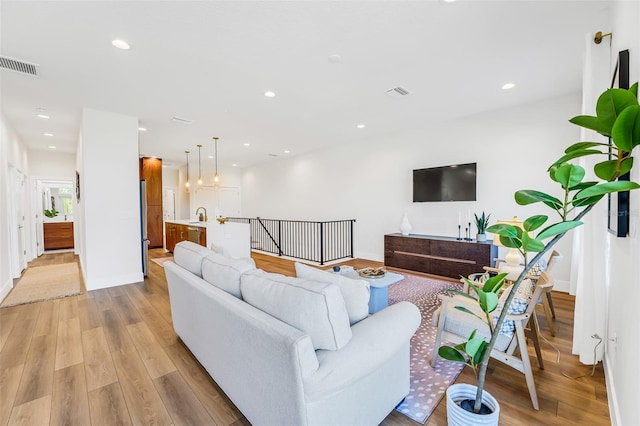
(17, 230)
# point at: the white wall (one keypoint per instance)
(371, 180)
(109, 213)
(191, 200)
(12, 152)
(51, 165)
(623, 373)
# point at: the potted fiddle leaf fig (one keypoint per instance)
(618, 118)
(482, 222)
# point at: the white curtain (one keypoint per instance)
(589, 275)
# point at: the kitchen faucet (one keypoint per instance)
(200, 217)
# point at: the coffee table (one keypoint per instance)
(379, 298)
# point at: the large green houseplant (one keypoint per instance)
(618, 118)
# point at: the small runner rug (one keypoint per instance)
(44, 283)
(160, 260)
(428, 384)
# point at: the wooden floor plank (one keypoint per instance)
(162, 329)
(184, 408)
(115, 330)
(32, 413)
(154, 357)
(70, 401)
(68, 307)
(37, 376)
(143, 401)
(69, 345)
(9, 382)
(205, 389)
(98, 365)
(108, 407)
(15, 349)
(48, 318)
(127, 311)
(6, 324)
(88, 314)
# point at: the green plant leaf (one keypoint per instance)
(611, 103)
(510, 236)
(530, 196)
(460, 293)
(606, 188)
(488, 301)
(575, 154)
(626, 130)
(493, 284)
(634, 89)
(569, 175)
(477, 358)
(531, 245)
(584, 145)
(587, 201)
(467, 311)
(606, 170)
(558, 228)
(582, 185)
(474, 346)
(590, 122)
(451, 354)
(534, 222)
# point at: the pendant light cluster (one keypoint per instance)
(216, 176)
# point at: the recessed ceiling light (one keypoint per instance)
(335, 58)
(47, 134)
(42, 116)
(51, 147)
(246, 144)
(508, 86)
(142, 129)
(121, 44)
(211, 156)
(164, 166)
(286, 151)
(234, 165)
(269, 94)
(361, 126)
(448, 1)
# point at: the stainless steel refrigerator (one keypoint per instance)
(143, 227)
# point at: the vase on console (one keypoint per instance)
(405, 226)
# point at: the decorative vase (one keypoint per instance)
(405, 226)
(481, 237)
(458, 416)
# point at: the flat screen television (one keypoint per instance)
(446, 183)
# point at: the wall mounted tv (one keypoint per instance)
(446, 183)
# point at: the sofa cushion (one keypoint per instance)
(224, 272)
(219, 249)
(356, 293)
(313, 307)
(189, 255)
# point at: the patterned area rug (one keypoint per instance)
(45, 283)
(428, 384)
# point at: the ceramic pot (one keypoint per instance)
(457, 416)
(481, 237)
(405, 226)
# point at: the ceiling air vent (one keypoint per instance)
(398, 92)
(16, 65)
(182, 120)
(272, 155)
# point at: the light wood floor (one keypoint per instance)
(110, 357)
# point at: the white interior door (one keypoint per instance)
(169, 203)
(39, 197)
(17, 227)
(229, 201)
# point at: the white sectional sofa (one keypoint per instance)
(322, 370)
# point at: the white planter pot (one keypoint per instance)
(457, 416)
(481, 237)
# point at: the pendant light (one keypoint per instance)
(187, 184)
(199, 167)
(216, 178)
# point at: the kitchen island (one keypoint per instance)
(235, 238)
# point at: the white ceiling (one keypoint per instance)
(212, 61)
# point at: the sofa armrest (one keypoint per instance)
(375, 340)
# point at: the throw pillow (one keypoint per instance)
(518, 305)
(189, 255)
(310, 306)
(356, 293)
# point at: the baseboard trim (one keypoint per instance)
(614, 409)
(561, 285)
(97, 284)
(5, 289)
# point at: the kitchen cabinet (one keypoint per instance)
(176, 233)
(151, 172)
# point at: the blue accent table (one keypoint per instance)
(379, 287)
